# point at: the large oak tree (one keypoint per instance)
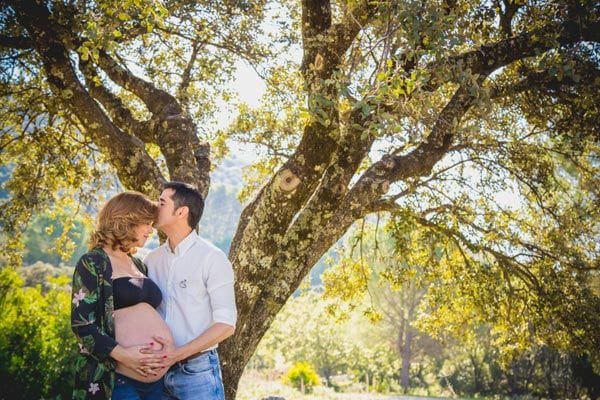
(423, 110)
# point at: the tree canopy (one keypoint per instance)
(472, 126)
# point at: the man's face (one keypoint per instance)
(166, 209)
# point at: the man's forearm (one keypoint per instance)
(213, 335)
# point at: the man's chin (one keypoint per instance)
(159, 228)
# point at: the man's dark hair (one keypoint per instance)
(187, 195)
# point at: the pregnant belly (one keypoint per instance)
(134, 326)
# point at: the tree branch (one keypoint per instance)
(187, 159)
(157, 100)
(121, 115)
(305, 165)
(15, 42)
(488, 58)
(133, 165)
(186, 76)
(544, 80)
(507, 15)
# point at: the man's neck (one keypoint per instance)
(176, 236)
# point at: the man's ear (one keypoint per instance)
(183, 211)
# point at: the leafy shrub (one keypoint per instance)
(302, 376)
(37, 347)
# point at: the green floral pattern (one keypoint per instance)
(92, 322)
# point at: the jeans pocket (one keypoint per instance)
(201, 366)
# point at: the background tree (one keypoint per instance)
(428, 110)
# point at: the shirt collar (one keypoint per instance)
(184, 245)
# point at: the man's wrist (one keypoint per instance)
(189, 353)
(180, 354)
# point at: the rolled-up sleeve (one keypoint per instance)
(220, 287)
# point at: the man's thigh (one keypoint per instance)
(196, 379)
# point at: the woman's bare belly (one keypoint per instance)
(134, 326)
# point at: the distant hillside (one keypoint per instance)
(4, 172)
(222, 209)
(221, 214)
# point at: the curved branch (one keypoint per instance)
(157, 100)
(546, 80)
(121, 115)
(187, 159)
(15, 42)
(488, 58)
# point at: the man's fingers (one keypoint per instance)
(151, 360)
(155, 366)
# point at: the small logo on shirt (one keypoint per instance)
(183, 284)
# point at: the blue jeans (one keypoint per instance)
(130, 389)
(199, 378)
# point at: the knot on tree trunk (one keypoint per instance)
(319, 62)
(288, 181)
(339, 189)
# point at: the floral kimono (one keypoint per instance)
(92, 322)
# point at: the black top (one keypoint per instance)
(128, 291)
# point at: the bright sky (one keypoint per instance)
(248, 84)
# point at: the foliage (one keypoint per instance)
(37, 347)
(541, 372)
(465, 286)
(51, 160)
(302, 376)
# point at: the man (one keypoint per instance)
(196, 280)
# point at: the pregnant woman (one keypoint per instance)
(113, 311)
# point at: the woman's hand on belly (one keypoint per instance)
(132, 359)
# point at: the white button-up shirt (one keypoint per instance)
(196, 281)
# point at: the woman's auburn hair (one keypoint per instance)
(118, 218)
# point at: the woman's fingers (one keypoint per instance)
(146, 349)
(160, 340)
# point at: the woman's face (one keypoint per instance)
(142, 232)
